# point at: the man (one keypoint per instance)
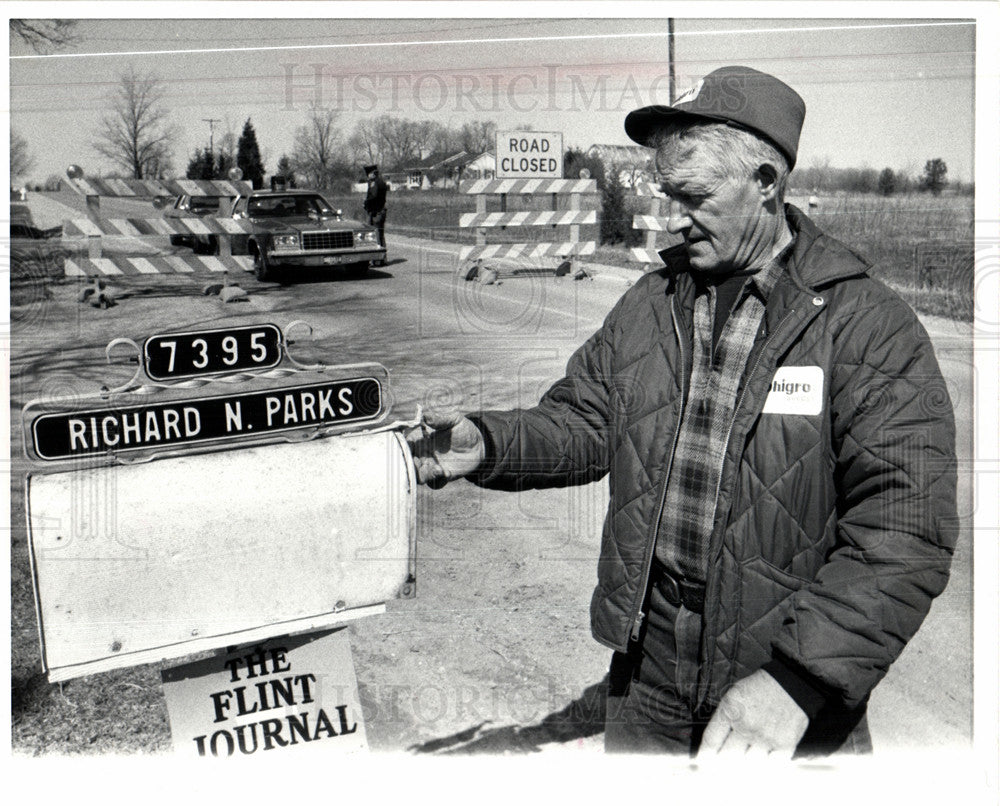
(375, 201)
(779, 446)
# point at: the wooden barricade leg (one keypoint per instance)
(94, 214)
(574, 229)
(654, 210)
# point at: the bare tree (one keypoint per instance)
(317, 146)
(397, 143)
(21, 160)
(136, 136)
(364, 143)
(432, 137)
(226, 156)
(448, 139)
(478, 136)
(400, 140)
(45, 36)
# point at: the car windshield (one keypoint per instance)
(204, 203)
(298, 206)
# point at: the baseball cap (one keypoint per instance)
(739, 96)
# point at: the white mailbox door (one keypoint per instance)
(137, 563)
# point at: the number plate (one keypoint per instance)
(211, 352)
(333, 259)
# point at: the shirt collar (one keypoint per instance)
(764, 281)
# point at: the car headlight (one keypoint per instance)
(366, 237)
(285, 242)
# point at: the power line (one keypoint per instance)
(565, 68)
(255, 37)
(492, 40)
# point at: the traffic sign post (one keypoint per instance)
(227, 494)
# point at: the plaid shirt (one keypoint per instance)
(692, 489)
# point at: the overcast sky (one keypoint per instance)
(878, 92)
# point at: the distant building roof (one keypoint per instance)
(621, 155)
(486, 155)
(438, 161)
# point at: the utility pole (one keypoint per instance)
(212, 121)
(670, 59)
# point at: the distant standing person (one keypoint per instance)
(375, 201)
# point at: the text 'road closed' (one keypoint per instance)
(529, 155)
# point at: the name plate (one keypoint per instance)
(68, 435)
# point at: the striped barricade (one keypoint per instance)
(528, 251)
(555, 218)
(137, 227)
(151, 188)
(154, 264)
(95, 227)
(573, 218)
(528, 186)
(651, 223)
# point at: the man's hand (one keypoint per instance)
(755, 716)
(446, 446)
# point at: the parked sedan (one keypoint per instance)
(298, 228)
(197, 207)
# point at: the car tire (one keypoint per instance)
(261, 267)
(357, 269)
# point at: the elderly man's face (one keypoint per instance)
(722, 220)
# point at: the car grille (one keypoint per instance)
(327, 240)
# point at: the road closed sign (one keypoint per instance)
(529, 155)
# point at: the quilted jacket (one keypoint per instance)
(833, 531)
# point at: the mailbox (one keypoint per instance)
(140, 562)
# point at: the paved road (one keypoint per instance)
(495, 653)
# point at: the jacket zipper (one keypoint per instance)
(640, 615)
(711, 578)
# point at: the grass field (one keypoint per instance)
(919, 244)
